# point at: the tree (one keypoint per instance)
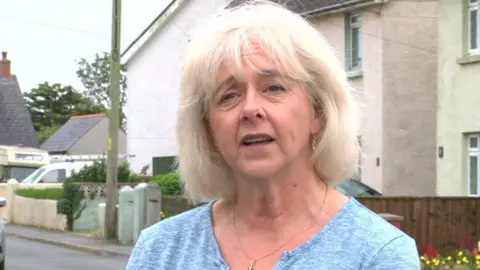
(95, 77)
(51, 105)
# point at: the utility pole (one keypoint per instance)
(114, 125)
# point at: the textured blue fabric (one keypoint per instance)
(356, 238)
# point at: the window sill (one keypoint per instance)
(469, 59)
(355, 73)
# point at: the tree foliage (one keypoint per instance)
(95, 77)
(51, 105)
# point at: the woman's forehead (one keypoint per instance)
(258, 64)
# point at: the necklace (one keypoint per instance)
(253, 261)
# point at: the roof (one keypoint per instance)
(307, 7)
(151, 29)
(16, 126)
(71, 132)
(304, 7)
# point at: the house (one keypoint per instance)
(458, 121)
(83, 135)
(389, 51)
(154, 61)
(16, 126)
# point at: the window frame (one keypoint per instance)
(473, 5)
(349, 27)
(473, 152)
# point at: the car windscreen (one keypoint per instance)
(31, 178)
(18, 173)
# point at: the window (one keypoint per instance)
(33, 176)
(473, 164)
(55, 176)
(474, 26)
(17, 173)
(353, 41)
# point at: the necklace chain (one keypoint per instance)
(253, 261)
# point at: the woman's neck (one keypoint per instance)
(268, 204)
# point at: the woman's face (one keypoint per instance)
(262, 122)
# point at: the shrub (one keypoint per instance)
(135, 178)
(169, 183)
(41, 194)
(71, 204)
(97, 172)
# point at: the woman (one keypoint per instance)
(266, 124)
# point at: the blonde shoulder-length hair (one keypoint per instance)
(300, 52)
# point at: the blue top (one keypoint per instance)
(355, 238)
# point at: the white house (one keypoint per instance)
(154, 61)
(379, 42)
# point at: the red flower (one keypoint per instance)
(466, 241)
(430, 252)
(475, 252)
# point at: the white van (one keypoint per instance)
(56, 172)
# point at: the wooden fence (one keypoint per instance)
(439, 221)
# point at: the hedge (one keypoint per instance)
(97, 173)
(41, 194)
(169, 183)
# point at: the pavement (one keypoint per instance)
(24, 254)
(68, 240)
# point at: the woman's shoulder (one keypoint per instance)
(372, 239)
(363, 225)
(164, 243)
(366, 222)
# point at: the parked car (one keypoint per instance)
(355, 188)
(3, 202)
(55, 172)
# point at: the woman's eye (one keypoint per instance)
(275, 88)
(227, 97)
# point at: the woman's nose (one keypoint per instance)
(252, 109)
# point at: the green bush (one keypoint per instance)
(71, 204)
(135, 178)
(42, 194)
(169, 183)
(97, 173)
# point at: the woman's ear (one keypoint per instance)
(318, 121)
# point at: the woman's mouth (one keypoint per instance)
(256, 140)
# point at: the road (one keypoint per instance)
(25, 255)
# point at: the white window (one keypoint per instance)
(474, 26)
(353, 50)
(473, 164)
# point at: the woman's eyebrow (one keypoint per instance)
(228, 81)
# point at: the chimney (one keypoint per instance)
(5, 71)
